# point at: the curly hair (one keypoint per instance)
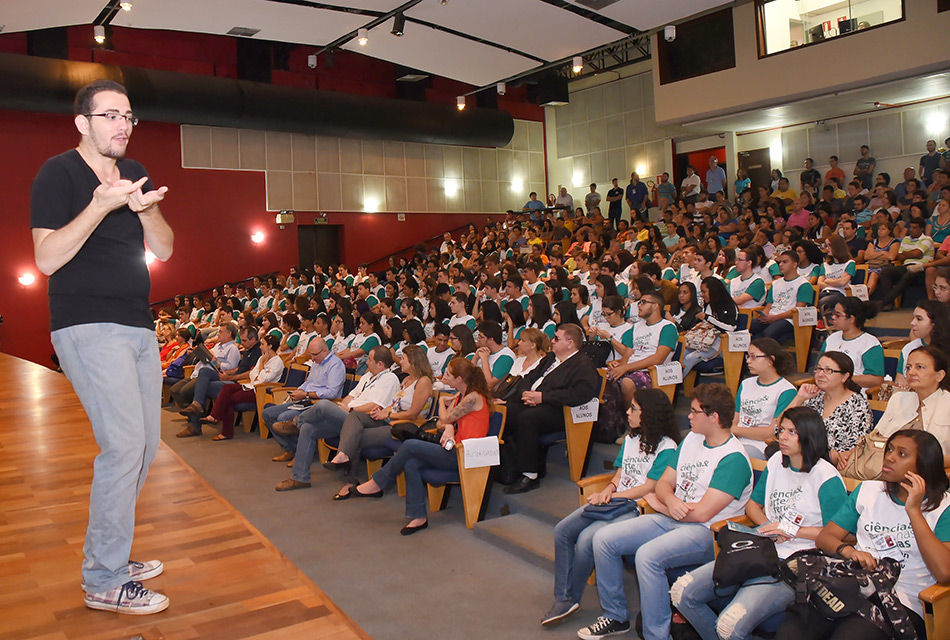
(657, 420)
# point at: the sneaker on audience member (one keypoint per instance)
(560, 610)
(139, 571)
(603, 628)
(131, 598)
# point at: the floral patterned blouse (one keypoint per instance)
(847, 423)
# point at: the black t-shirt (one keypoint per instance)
(615, 207)
(107, 280)
(855, 245)
(811, 176)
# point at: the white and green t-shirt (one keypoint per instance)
(809, 272)
(303, 341)
(647, 337)
(803, 499)
(753, 285)
(865, 352)
(700, 467)
(758, 404)
(535, 287)
(883, 529)
(837, 270)
(905, 353)
(637, 467)
(467, 320)
(786, 294)
(622, 333)
(500, 362)
(438, 360)
(365, 343)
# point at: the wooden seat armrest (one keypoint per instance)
(799, 383)
(872, 392)
(592, 484)
(935, 593)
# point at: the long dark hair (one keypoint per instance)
(568, 312)
(721, 303)
(472, 376)
(939, 359)
(373, 320)
(781, 359)
(442, 311)
(940, 334)
(465, 337)
(657, 419)
(858, 309)
(929, 467)
(676, 307)
(610, 287)
(812, 437)
(516, 312)
(491, 312)
(395, 327)
(540, 309)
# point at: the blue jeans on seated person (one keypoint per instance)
(411, 458)
(691, 358)
(321, 421)
(206, 380)
(780, 330)
(574, 552)
(281, 413)
(743, 608)
(659, 543)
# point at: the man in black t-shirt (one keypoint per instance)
(615, 201)
(92, 211)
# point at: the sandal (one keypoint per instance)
(209, 420)
(220, 437)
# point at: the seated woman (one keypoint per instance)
(848, 336)
(720, 311)
(176, 344)
(684, 310)
(798, 482)
(839, 401)
(467, 417)
(649, 445)
(533, 346)
(926, 406)
(374, 429)
(909, 501)
(880, 252)
(291, 335)
(267, 369)
(930, 325)
(761, 398)
(368, 336)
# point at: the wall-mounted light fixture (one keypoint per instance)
(501, 88)
(99, 34)
(460, 102)
(26, 279)
(399, 24)
(257, 237)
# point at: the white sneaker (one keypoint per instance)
(131, 598)
(139, 571)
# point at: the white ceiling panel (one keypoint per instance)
(531, 26)
(277, 21)
(27, 15)
(650, 14)
(442, 54)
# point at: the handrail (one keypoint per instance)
(377, 264)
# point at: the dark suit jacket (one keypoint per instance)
(574, 382)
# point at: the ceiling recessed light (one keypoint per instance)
(246, 32)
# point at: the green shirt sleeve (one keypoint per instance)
(293, 340)
(831, 494)
(758, 491)
(675, 457)
(756, 289)
(774, 271)
(627, 338)
(806, 293)
(768, 296)
(550, 330)
(471, 324)
(846, 516)
(668, 336)
(622, 290)
(851, 269)
(873, 360)
(369, 343)
(732, 475)
(783, 401)
(942, 530)
(900, 362)
(502, 366)
(664, 459)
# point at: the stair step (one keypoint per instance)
(521, 535)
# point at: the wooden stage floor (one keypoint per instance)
(224, 579)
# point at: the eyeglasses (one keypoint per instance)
(753, 356)
(837, 314)
(940, 287)
(820, 369)
(609, 314)
(697, 412)
(115, 117)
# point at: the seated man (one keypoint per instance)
(325, 380)
(376, 388)
(564, 378)
(786, 293)
(209, 382)
(917, 251)
(226, 357)
(708, 479)
(494, 359)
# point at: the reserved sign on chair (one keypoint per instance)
(807, 316)
(739, 341)
(481, 452)
(671, 373)
(586, 412)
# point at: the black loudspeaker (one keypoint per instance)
(253, 60)
(552, 90)
(49, 43)
(412, 90)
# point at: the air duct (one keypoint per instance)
(43, 84)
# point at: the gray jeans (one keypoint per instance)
(359, 432)
(116, 372)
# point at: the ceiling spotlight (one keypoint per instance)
(443, 2)
(460, 102)
(500, 87)
(578, 64)
(399, 24)
(257, 237)
(125, 6)
(362, 36)
(99, 34)
(26, 279)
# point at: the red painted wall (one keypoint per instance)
(213, 214)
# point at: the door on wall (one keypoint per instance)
(757, 165)
(319, 242)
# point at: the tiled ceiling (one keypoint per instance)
(474, 41)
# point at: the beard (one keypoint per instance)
(107, 147)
